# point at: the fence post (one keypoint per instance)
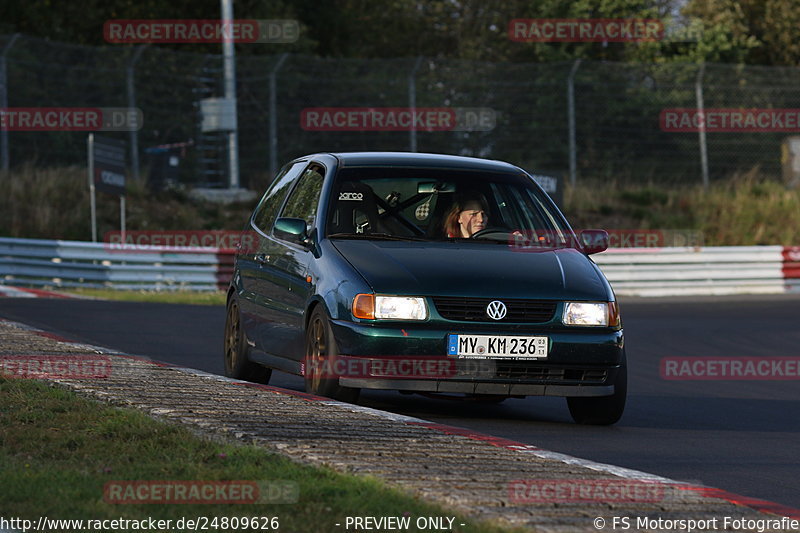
(273, 115)
(90, 176)
(573, 162)
(134, 134)
(412, 103)
(698, 91)
(4, 101)
(229, 77)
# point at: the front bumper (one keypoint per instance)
(411, 357)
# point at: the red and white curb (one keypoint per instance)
(8, 291)
(755, 504)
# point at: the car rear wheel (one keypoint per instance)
(237, 364)
(603, 410)
(319, 367)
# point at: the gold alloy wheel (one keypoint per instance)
(316, 350)
(232, 338)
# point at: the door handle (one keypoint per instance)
(262, 258)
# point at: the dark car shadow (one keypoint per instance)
(452, 410)
(656, 412)
(642, 412)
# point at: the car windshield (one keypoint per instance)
(444, 206)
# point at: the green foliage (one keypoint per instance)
(748, 209)
(644, 197)
(749, 31)
(82, 22)
(756, 32)
(53, 203)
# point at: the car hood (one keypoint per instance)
(483, 270)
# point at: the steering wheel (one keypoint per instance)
(497, 231)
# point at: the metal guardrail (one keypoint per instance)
(703, 270)
(631, 271)
(46, 263)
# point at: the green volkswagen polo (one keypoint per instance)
(424, 273)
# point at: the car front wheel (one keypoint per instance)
(319, 367)
(603, 410)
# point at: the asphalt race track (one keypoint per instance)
(741, 436)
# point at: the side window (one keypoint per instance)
(303, 200)
(267, 210)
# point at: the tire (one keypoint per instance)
(236, 350)
(321, 352)
(603, 410)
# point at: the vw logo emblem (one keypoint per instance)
(496, 310)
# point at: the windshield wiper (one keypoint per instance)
(374, 236)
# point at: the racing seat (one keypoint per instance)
(355, 210)
(435, 229)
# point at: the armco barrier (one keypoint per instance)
(631, 271)
(34, 262)
(704, 270)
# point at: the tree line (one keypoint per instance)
(756, 32)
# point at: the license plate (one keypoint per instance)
(496, 346)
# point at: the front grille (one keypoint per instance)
(523, 370)
(474, 309)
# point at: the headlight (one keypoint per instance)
(591, 314)
(374, 306)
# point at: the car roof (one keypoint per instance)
(421, 160)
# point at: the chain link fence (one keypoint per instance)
(582, 120)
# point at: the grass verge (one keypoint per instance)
(58, 450)
(170, 297)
